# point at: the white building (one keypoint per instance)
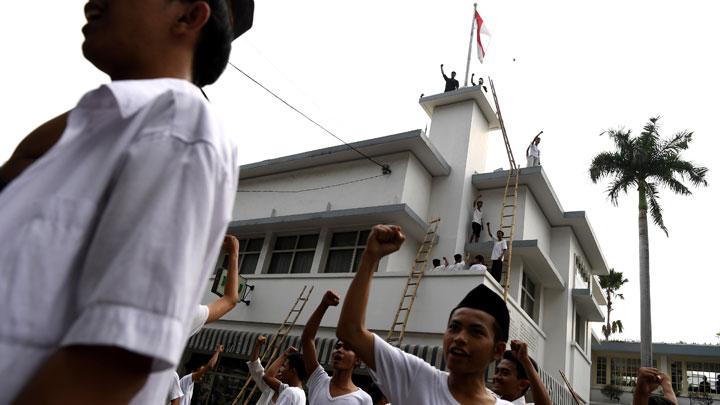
(694, 370)
(316, 237)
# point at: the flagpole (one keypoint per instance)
(472, 30)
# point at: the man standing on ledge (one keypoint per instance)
(109, 236)
(451, 84)
(533, 151)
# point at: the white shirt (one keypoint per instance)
(477, 216)
(288, 395)
(319, 391)
(456, 266)
(187, 385)
(440, 267)
(407, 379)
(499, 246)
(109, 238)
(534, 150)
(478, 266)
(199, 317)
(176, 390)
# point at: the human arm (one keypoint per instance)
(442, 70)
(472, 79)
(539, 392)
(330, 299)
(175, 401)
(256, 369)
(383, 240)
(489, 231)
(33, 147)
(200, 372)
(667, 389)
(647, 382)
(227, 302)
(80, 374)
(269, 376)
(255, 353)
(445, 262)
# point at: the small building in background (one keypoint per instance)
(693, 369)
(303, 220)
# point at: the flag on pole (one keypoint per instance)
(483, 36)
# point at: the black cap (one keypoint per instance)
(241, 15)
(486, 300)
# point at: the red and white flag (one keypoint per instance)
(483, 36)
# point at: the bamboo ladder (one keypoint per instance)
(509, 205)
(417, 271)
(272, 349)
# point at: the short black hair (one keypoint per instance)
(521, 372)
(436, 262)
(296, 362)
(480, 258)
(212, 51)
(458, 256)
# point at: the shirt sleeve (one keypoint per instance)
(200, 316)
(185, 383)
(256, 373)
(165, 211)
(395, 370)
(175, 389)
(316, 377)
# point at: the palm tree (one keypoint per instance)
(646, 163)
(611, 284)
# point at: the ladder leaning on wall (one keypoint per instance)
(509, 204)
(272, 349)
(417, 271)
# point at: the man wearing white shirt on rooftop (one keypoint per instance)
(533, 151)
(498, 253)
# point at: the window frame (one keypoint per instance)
(294, 251)
(580, 321)
(354, 262)
(534, 297)
(243, 252)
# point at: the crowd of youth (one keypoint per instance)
(113, 215)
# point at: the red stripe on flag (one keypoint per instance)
(479, 23)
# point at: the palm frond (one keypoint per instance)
(655, 209)
(621, 184)
(606, 164)
(679, 142)
(686, 169)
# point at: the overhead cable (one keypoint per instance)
(312, 189)
(384, 166)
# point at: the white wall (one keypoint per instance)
(535, 224)
(379, 191)
(416, 190)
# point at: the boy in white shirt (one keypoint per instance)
(475, 336)
(459, 263)
(477, 223)
(498, 253)
(516, 373)
(322, 389)
(533, 151)
(187, 383)
(479, 263)
(281, 383)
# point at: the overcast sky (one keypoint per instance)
(572, 69)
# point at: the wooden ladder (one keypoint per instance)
(417, 271)
(277, 341)
(509, 205)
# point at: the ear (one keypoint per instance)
(193, 17)
(499, 350)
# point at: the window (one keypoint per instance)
(249, 254)
(601, 370)
(528, 297)
(345, 251)
(624, 371)
(676, 375)
(703, 377)
(293, 254)
(581, 274)
(580, 331)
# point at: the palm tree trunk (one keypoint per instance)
(645, 321)
(609, 305)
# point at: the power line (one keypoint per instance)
(384, 166)
(314, 188)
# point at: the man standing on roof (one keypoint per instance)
(451, 84)
(533, 151)
(475, 336)
(128, 209)
(498, 253)
(322, 389)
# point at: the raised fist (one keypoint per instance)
(383, 240)
(230, 244)
(260, 339)
(331, 299)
